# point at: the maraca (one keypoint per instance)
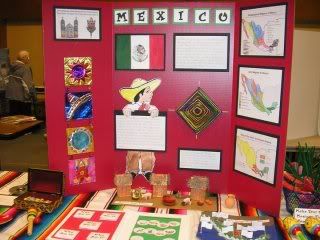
(293, 227)
(32, 213)
(8, 215)
(312, 225)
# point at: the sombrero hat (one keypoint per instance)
(138, 85)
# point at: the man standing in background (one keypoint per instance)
(20, 89)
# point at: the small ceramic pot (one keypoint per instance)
(230, 201)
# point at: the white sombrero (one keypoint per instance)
(138, 85)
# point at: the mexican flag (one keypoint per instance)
(139, 52)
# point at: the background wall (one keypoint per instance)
(305, 84)
(27, 36)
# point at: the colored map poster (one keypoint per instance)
(263, 31)
(256, 155)
(156, 228)
(236, 228)
(259, 93)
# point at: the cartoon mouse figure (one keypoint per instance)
(140, 94)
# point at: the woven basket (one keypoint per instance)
(301, 200)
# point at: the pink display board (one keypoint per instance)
(102, 100)
(176, 87)
(264, 196)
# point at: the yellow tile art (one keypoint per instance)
(77, 71)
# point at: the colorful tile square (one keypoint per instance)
(78, 105)
(77, 71)
(80, 140)
(82, 171)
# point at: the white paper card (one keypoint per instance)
(109, 216)
(302, 213)
(141, 133)
(66, 234)
(180, 15)
(220, 215)
(224, 215)
(215, 214)
(199, 159)
(228, 222)
(140, 16)
(250, 229)
(97, 205)
(132, 203)
(160, 15)
(121, 17)
(98, 236)
(202, 16)
(227, 229)
(257, 228)
(222, 16)
(201, 52)
(246, 233)
(240, 227)
(207, 225)
(7, 200)
(101, 199)
(91, 225)
(205, 219)
(257, 223)
(84, 214)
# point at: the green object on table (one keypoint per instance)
(306, 168)
(156, 228)
(301, 236)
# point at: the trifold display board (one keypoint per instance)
(179, 88)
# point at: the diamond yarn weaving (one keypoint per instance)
(199, 111)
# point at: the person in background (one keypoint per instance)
(4, 70)
(20, 89)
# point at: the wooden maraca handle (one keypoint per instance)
(30, 225)
(32, 213)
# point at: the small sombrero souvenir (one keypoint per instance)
(138, 85)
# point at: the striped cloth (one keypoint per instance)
(16, 229)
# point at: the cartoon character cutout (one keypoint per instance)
(140, 94)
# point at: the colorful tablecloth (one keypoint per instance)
(16, 229)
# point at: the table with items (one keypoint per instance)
(86, 213)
